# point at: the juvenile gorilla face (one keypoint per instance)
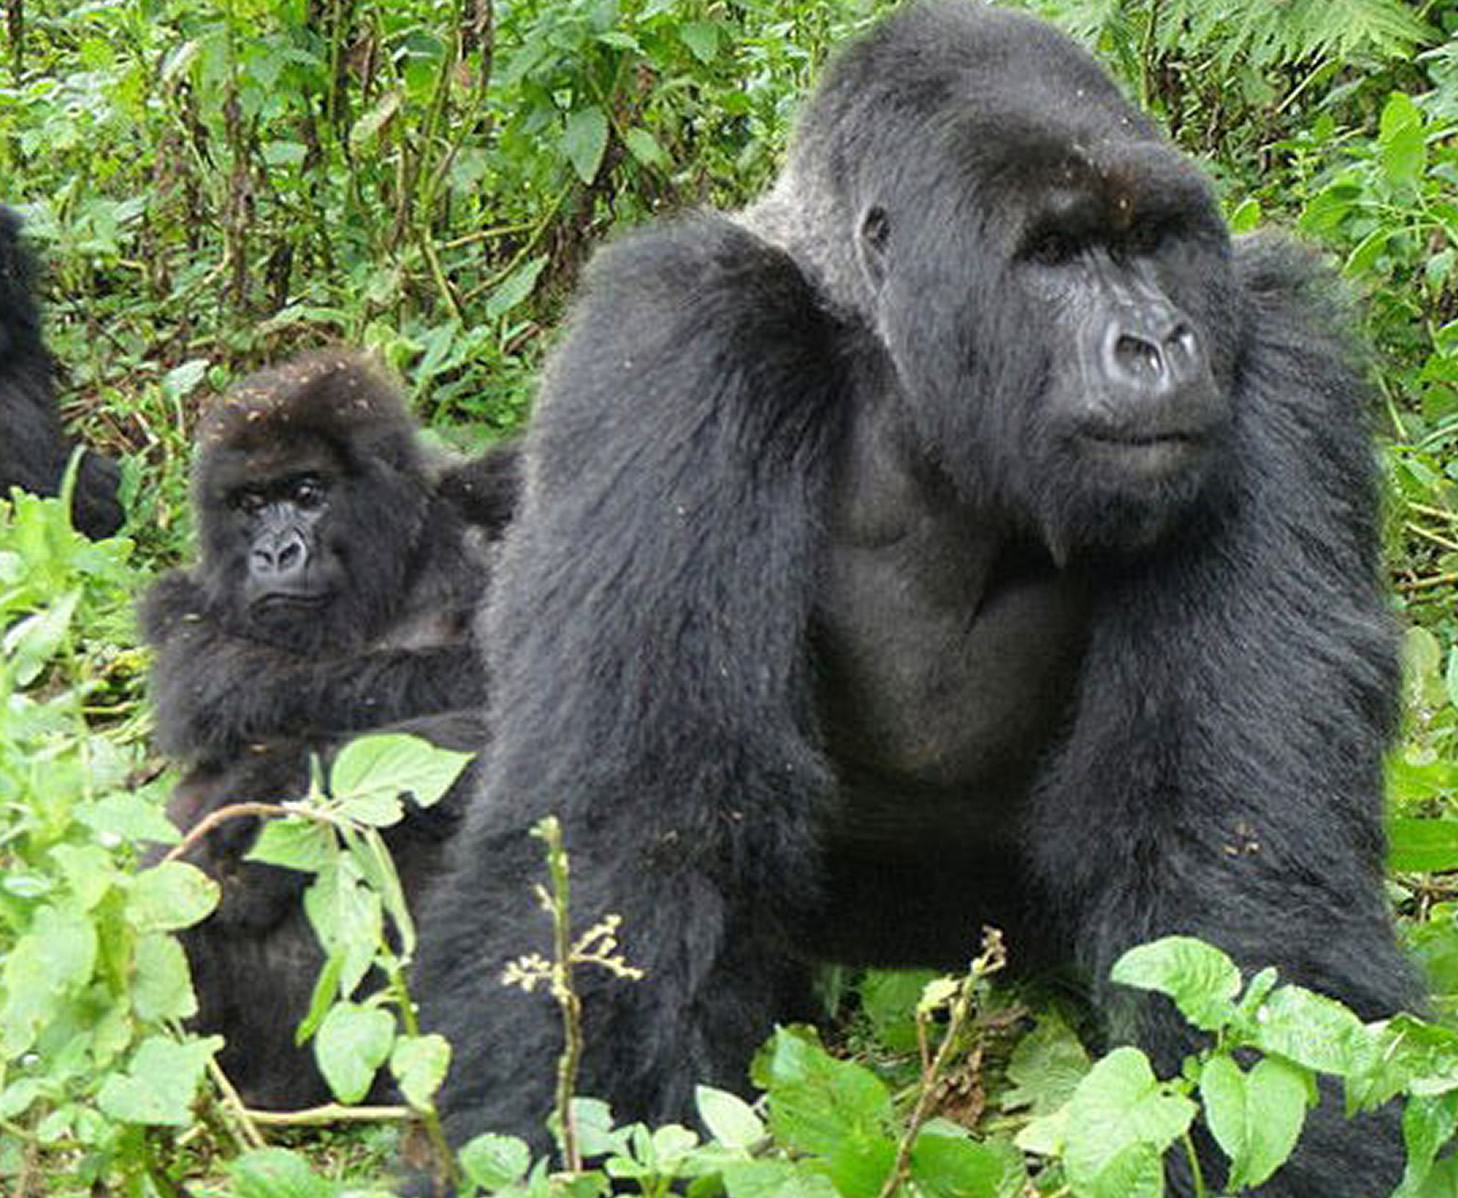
(1053, 286)
(310, 520)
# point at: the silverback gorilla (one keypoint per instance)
(967, 533)
(33, 447)
(334, 594)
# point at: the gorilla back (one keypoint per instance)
(967, 533)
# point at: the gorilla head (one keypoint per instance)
(1053, 285)
(303, 472)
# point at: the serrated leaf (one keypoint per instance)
(584, 141)
(130, 817)
(31, 643)
(494, 1162)
(947, 1164)
(729, 1119)
(296, 843)
(351, 1045)
(815, 1101)
(1314, 1031)
(1120, 1118)
(278, 1173)
(163, 986)
(371, 773)
(1202, 980)
(160, 1083)
(516, 288)
(1401, 141)
(1045, 1068)
(419, 1064)
(1255, 1117)
(170, 896)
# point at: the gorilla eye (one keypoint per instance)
(250, 503)
(876, 230)
(309, 493)
(1051, 247)
(1144, 238)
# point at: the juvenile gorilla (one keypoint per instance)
(968, 533)
(34, 449)
(334, 594)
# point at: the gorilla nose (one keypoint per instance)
(279, 557)
(1152, 358)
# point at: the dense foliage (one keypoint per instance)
(214, 184)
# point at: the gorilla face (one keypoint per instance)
(1056, 296)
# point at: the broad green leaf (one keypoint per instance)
(515, 288)
(348, 919)
(163, 985)
(702, 39)
(1427, 1125)
(351, 1045)
(1119, 1111)
(644, 147)
(494, 1162)
(1314, 1031)
(128, 816)
(860, 1162)
(1422, 845)
(57, 956)
(777, 1179)
(948, 1163)
(1046, 1067)
(584, 141)
(1202, 980)
(419, 1064)
(1255, 1117)
(729, 1119)
(170, 896)
(372, 772)
(160, 1083)
(816, 1101)
(31, 643)
(295, 843)
(1401, 141)
(278, 1173)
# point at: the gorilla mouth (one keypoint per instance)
(1144, 453)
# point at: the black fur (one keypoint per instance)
(34, 449)
(373, 633)
(968, 533)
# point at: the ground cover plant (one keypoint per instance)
(212, 186)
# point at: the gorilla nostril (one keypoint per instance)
(290, 556)
(1183, 342)
(1138, 357)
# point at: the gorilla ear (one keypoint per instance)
(875, 233)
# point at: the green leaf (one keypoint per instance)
(352, 1043)
(1314, 1031)
(32, 642)
(644, 147)
(128, 816)
(1401, 141)
(702, 39)
(816, 1101)
(163, 985)
(170, 896)
(419, 1064)
(160, 1084)
(1427, 1124)
(294, 843)
(494, 1162)
(369, 125)
(515, 289)
(56, 956)
(860, 1163)
(777, 1179)
(1202, 980)
(371, 773)
(729, 1119)
(1045, 1068)
(947, 1163)
(1120, 1119)
(1256, 1117)
(278, 1173)
(584, 141)
(1422, 845)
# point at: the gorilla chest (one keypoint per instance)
(946, 664)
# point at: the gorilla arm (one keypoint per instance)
(649, 677)
(217, 692)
